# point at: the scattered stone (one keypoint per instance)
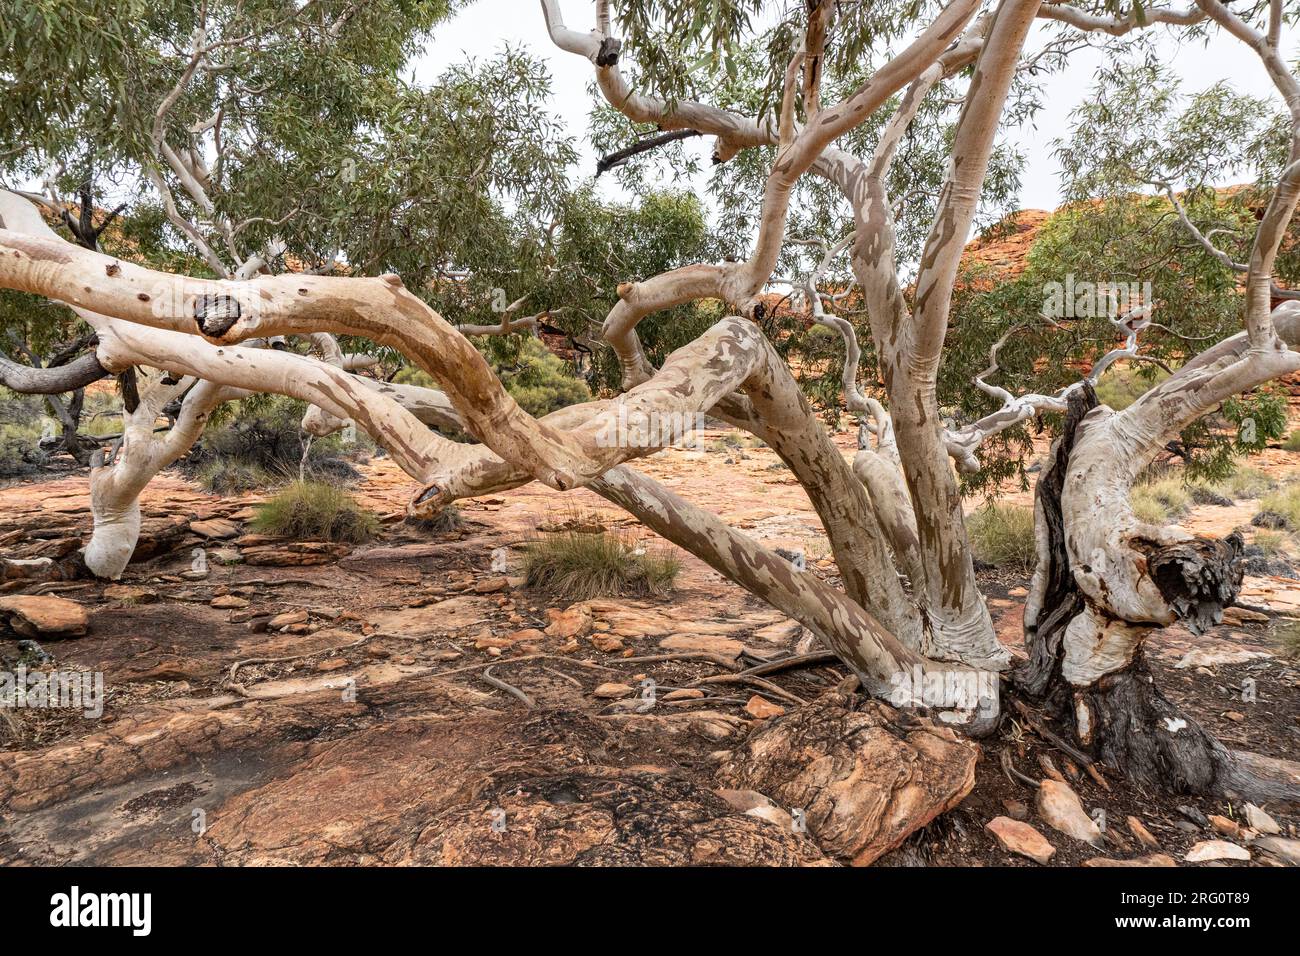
(42, 615)
(129, 594)
(761, 709)
(1059, 806)
(754, 804)
(1153, 859)
(215, 528)
(294, 554)
(1018, 592)
(574, 621)
(1237, 616)
(1201, 495)
(612, 691)
(490, 585)
(1257, 564)
(228, 602)
(1260, 820)
(706, 643)
(1017, 837)
(782, 632)
(333, 664)
(864, 776)
(1235, 716)
(1213, 656)
(1271, 520)
(1208, 850)
(1195, 815)
(527, 635)
(1288, 851)
(1228, 828)
(1016, 810)
(607, 643)
(1141, 833)
(685, 693)
(287, 619)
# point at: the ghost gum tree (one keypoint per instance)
(880, 118)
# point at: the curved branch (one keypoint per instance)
(26, 380)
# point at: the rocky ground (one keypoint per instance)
(402, 702)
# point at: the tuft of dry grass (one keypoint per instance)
(1003, 535)
(1245, 483)
(314, 511)
(1285, 634)
(578, 565)
(1285, 501)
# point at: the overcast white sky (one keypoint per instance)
(481, 31)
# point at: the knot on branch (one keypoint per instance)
(216, 314)
(609, 50)
(1199, 578)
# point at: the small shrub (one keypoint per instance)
(1270, 543)
(19, 452)
(1148, 508)
(262, 444)
(314, 511)
(1246, 483)
(1292, 442)
(541, 384)
(1003, 536)
(576, 566)
(1286, 502)
(1286, 635)
(1171, 493)
(447, 520)
(224, 477)
(1120, 386)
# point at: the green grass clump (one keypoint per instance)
(1246, 483)
(1285, 634)
(1168, 497)
(19, 451)
(577, 566)
(1285, 501)
(1120, 386)
(1292, 442)
(315, 511)
(1270, 543)
(1003, 536)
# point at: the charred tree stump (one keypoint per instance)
(1121, 719)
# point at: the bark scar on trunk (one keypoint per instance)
(1198, 578)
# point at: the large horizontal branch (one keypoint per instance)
(26, 380)
(226, 312)
(341, 394)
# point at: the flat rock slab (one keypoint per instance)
(415, 791)
(1017, 837)
(1208, 850)
(1060, 807)
(293, 554)
(45, 616)
(216, 528)
(865, 775)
